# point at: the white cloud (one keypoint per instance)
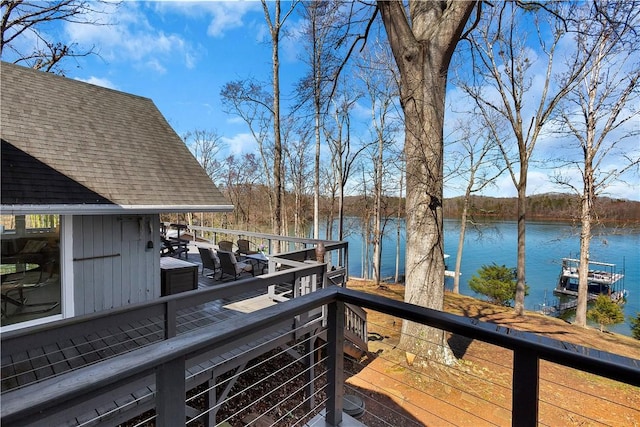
(131, 37)
(223, 16)
(99, 82)
(292, 46)
(226, 16)
(240, 143)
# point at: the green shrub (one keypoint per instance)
(605, 312)
(496, 282)
(635, 326)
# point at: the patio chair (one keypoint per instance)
(230, 266)
(210, 261)
(243, 248)
(225, 245)
(173, 248)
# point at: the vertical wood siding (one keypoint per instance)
(112, 266)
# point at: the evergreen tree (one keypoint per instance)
(497, 282)
(605, 312)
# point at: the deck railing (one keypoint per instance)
(292, 248)
(166, 361)
(165, 309)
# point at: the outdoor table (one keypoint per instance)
(261, 261)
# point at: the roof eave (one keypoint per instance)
(109, 209)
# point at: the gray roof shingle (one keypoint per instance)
(93, 148)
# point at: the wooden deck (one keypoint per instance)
(21, 369)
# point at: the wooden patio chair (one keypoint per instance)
(225, 245)
(232, 267)
(173, 248)
(210, 261)
(243, 248)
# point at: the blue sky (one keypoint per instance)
(180, 54)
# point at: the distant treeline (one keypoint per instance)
(541, 207)
(252, 212)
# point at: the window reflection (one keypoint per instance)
(30, 267)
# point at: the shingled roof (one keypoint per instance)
(72, 147)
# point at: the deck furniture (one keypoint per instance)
(244, 249)
(174, 248)
(210, 261)
(231, 266)
(177, 276)
(225, 245)
(18, 278)
(260, 263)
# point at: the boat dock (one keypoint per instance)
(561, 307)
(602, 279)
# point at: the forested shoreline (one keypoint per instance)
(252, 213)
(560, 207)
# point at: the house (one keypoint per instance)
(86, 172)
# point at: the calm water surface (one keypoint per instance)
(496, 242)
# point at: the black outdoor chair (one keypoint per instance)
(243, 248)
(210, 261)
(174, 248)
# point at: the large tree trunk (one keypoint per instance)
(397, 276)
(377, 230)
(423, 51)
(522, 225)
(588, 198)
(463, 230)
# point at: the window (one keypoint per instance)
(30, 267)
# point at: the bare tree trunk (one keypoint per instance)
(277, 140)
(583, 270)
(597, 109)
(463, 230)
(341, 212)
(377, 228)
(522, 225)
(423, 51)
(398, 218)
(316, 182)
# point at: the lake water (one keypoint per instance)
(496, 242)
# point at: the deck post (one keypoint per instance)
(211, 398)
(171, 394)
(170, 319)
(525, 389)
(335, 362)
